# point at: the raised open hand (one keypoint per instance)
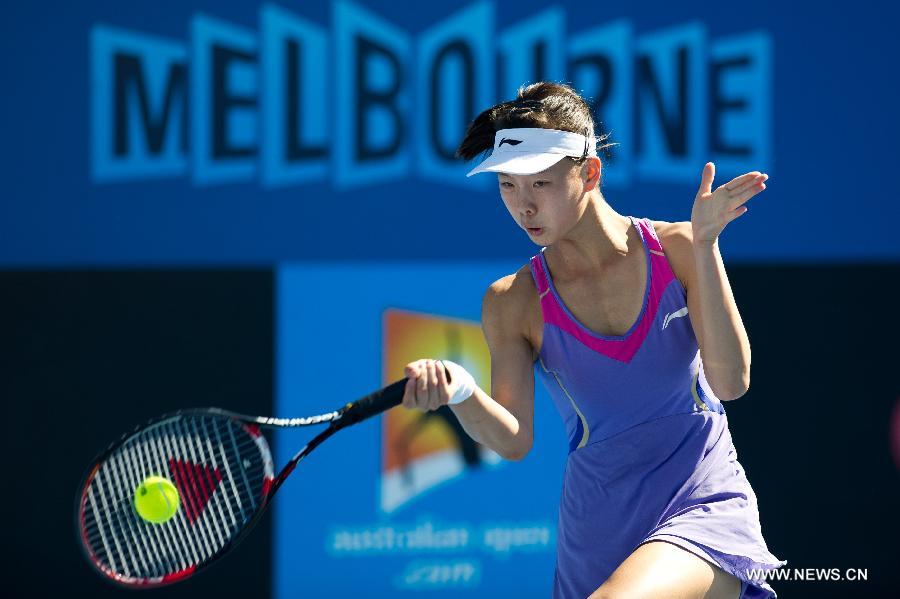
(713, 209)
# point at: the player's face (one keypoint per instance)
(545, 204)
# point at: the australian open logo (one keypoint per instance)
(285, 101)
(424, 450)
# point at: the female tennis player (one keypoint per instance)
(632, 327)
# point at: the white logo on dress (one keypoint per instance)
(673, 315)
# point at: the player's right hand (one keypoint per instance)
(427, 388)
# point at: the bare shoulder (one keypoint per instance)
(677, 242)
(677, 230)
(509, 305)
(513, 295)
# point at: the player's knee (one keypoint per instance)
(608, 590)
(603, 593)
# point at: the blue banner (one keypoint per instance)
(406, 501)
(241, 133)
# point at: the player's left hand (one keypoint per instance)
(713, 209)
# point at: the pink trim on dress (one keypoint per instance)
(624, 348)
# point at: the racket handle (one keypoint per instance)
(373, 404)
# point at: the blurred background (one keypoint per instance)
(255, 206)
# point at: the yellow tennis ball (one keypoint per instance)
(156, 499)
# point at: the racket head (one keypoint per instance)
(222, 469)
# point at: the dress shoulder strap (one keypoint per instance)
(662, 269)
(539, 275)
(645, 226)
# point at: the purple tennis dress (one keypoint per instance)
(650, 453)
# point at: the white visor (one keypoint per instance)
(530, 150)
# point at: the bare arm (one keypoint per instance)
(503, 422)
(724, 345)
(725, 348)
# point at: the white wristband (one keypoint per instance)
(462, 384)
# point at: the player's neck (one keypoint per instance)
(598, 242)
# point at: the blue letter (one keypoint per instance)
(533, 50)
(670, 123)
(138, 100)
(600, 68)
(223, 101)
(740, 114)
(372, 100)
(294, 98)
(455, 81)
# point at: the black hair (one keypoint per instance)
(545, 104)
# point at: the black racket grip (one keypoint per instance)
(374, 403)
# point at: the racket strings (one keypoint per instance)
(206, 535)
(219, 469)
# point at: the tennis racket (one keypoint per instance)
(220, 464)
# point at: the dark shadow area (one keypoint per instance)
(86, 355)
